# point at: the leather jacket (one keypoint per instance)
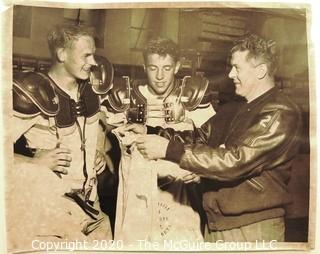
(244, 153)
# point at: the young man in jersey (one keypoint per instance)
(166, 101)
(53, 194)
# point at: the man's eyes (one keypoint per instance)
(87, 55)
(152, 68)
(165, 68)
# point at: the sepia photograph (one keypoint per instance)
(145, 127)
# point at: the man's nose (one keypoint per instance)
(92, 61)
(159, 74)
(232, 73)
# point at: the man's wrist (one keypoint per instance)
(175, 151)
(164, 148)
(145, 130)
(152, 130)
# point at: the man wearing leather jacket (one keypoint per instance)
(246, 165)
(59, 115)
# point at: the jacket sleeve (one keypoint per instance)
(270, 141)
(198, 135)
(211, 131)
(179, 140)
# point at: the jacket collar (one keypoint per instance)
(271, 92)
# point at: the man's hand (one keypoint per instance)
(133, 127)
(152, 146)
(100, 162)
(58, 159)
(191, 178)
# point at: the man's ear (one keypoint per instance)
(144, 68)
(262, 70)
(61, 54)
(177, 67)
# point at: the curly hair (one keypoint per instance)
(162, 47)
(62, 36)
(259, 48)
